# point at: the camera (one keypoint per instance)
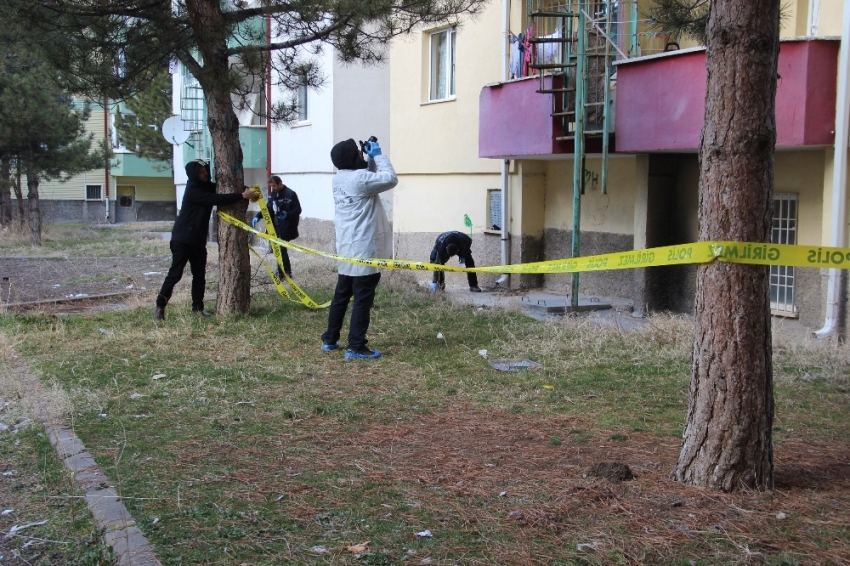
(364, 145)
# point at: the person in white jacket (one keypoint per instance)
(362, 231)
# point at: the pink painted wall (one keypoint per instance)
(516, 121)
(660, 101)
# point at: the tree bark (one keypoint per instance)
(234, 286)
(19, 194)
(727, 441)
(33, 209)
(5, 193)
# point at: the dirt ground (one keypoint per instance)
(63, 284)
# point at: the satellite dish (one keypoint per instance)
(173, 131)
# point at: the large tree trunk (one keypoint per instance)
(33, 209)
(727, 441)
(234, 287)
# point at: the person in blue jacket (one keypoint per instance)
(189, 235)
(285, 211)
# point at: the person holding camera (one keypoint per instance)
(285, 211)
(189, 235)
(451, 244)
(362, 231)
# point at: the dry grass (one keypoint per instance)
(251, 446)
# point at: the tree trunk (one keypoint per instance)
(727, 440)
(19, 193)
(33, 209)
(5, 193)
(234, 286)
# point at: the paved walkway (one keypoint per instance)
(120, 531)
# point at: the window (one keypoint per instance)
(301, 102)
(494, 209)
(784, 231)
(93, 192)
(442, 80)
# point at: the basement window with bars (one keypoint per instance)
(784, 231)
(93, 192)
(494, 210)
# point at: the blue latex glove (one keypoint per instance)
(254, 222)
(462, 260)
(373, 149)
(282, 215)
(433, 287)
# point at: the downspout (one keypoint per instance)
(505, 236)
(839, 180)
(106, 140)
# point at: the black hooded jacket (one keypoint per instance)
(192, 223)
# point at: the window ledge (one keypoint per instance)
(439, 101)
(301, 124)
(493, 232)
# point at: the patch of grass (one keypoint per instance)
(36, 488)
(256, 447)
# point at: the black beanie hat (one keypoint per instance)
(346, 155)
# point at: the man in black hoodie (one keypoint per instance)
(189, 235)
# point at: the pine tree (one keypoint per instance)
(42, 130)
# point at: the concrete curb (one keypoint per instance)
(127, 541)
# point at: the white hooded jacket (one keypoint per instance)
(362, 227)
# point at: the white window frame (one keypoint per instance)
(301, 98)
(448, 72)
(99, 191)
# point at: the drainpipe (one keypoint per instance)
(839, 181)
(505, 236)
(107, 139)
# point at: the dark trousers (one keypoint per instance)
(287, 267)
(362, 288)
(440, 276)
(181, 254)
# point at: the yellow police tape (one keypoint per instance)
(303, 298)
(699, 252)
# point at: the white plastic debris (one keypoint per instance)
(424, 534)
(319, 550)
(6, 511)
(440, 336)
(135, 396)
(781, 516)
(152, 273)
(587, 546)
(483, 353)
(157, 376)
(502, 494)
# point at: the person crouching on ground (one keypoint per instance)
(362, 231)
(451, 244)
(189, 235)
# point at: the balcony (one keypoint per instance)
(661, 98)
(660, 105)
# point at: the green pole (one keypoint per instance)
(578, 153)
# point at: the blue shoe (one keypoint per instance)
(330, 347)
(362, 354)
